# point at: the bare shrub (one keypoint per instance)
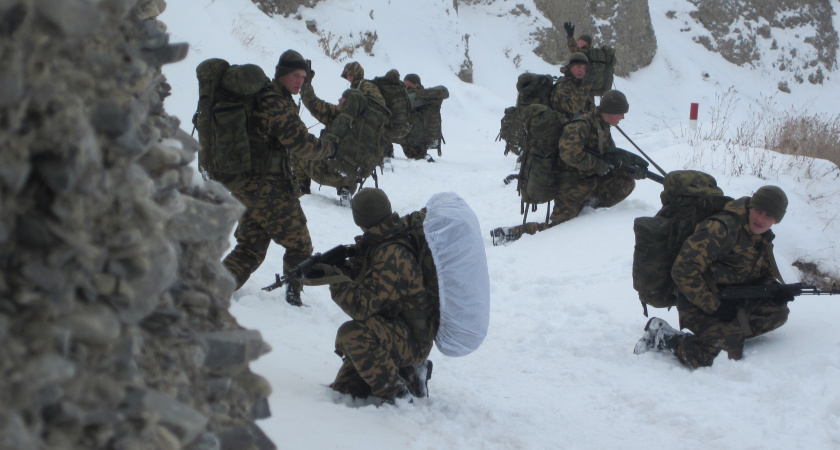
(812, 274)
(815, 136)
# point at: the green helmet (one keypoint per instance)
(614, 102)
(577, 58)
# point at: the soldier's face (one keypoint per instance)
(760, 222)
(581, 43)
(292, 81)
(578, 70)
(612, 119)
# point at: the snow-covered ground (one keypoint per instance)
(557, 369)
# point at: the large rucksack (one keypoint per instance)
(357, 130)
(446, 237)
(396, 98)
(426, 128)
(541, 165)
(227, 98)
(689, 197)
(531, 88)
(602, 66)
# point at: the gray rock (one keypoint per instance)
(75, 18)
(93, 324)
(232, 347)
(185, 422)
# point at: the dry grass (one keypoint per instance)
(815, 136)
(811, 275)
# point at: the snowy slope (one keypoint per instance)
(557, 368)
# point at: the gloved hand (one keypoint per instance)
(570, 29)
(726, 311)
(782, 297)
(603, 168)
(323, 274)
(636, 172)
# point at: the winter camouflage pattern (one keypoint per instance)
(384, 302)
(270, 194)
(724, 246)
(271, 214)
(570, 96)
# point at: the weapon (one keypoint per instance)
(636, 173)
(641, 151)
(779, 292)
(334, 256)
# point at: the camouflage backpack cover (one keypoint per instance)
(396, 99)
(541, 164)
(227, 97)
(426, 128)
(531, 88)
(602, 67)
(356, 132)
(689, 197)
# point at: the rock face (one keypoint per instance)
(114, 322)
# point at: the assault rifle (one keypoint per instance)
(778, 292)
(334, 256)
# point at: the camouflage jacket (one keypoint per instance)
(583, 139)
(724, 247)
(571, 42)
(321, 110)
(387, 276)
(569, 96)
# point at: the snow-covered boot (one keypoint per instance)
(344, 197)
(293, 293)
(429, 158)
(417, 378)
(503, 235)
(386, 165)
(658, 336)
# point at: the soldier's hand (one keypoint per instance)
(636, 172)
(323, 274)
(570, 29)
(603, 168)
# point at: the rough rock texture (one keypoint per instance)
(114, 322)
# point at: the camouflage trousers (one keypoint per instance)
(577, 192)
(323, 174)
(711, 335)
(374, 350)
(272, 213)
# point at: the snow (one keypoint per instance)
(557, 368)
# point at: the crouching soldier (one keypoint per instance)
(385, 345)
(731, 248)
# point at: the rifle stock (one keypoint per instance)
(333, 256)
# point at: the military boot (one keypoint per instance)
(398, 390)
(503, 235)
(344, 197)
(293, 289)
(417, 378)
(658, 336)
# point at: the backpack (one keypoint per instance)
(602, 66)
(530, 88)
(227, 96)
(447, 239)
(689, 197)
(396, 99)
(357, 130)
(426, 128)
(541, 163)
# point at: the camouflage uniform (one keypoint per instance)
(384, 300)
(319, 171)
(372, 91)
(269, 193)
(724, 249)
(570, 96)
(571, 42)
(413, 151)
(580, 183)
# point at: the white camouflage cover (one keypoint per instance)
(454, 238)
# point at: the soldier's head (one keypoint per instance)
(370, 207)
(393, 75)
(353, 72)
(290, 71)
(767, 208)
(613, 107)
(577, 64)
(584, 40)
(411, 79)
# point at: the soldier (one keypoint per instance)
(269, 194)
(586, 179)
(582, 44)
(731, 248)
(418, 152)
(570, 96)
(384, 348)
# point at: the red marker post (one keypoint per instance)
(692, 118)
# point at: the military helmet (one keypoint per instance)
(772, 200)
(614, 102)
(355, 69)
(577, 58)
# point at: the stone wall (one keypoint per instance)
(114, 322)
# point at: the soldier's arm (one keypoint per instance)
(571, 42)
(380, 288)
(572, 148)
(321, 110)
(709, 243)
(285, 125)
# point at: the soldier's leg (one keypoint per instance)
(765, 316)
(573, 195)
(377, 348)
(251, 239)
(412, 152)
(711, 335)
(348, 381)
(612, 189)
(325, 175)
(285, 222)
(301, 176)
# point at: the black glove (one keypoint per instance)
(603, 168)
(570, 29)
(636, 172)
(782, 297)
(726, 311)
